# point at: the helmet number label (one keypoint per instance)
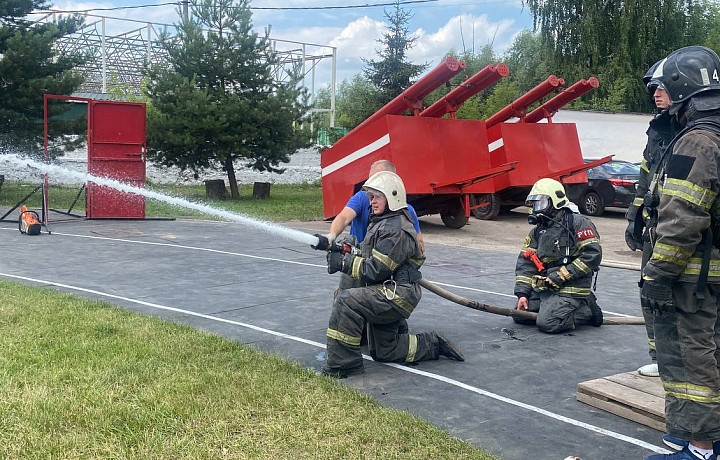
(715, 76)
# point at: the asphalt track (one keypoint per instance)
(514, 395)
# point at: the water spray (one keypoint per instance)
(63, 173)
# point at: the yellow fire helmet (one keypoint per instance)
(390, 185)
(547, 192)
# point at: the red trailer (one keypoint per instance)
(454, 167)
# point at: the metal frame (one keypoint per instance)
(117, 60)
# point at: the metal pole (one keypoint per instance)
(185, 10)
(303, 65)
(312, 98)
(45, 216)
(149, 43)
(104, 59)
(332, 87)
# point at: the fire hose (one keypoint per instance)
(344, 248)
(475, 305)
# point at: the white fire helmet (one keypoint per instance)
(547, 193)
(390, 185)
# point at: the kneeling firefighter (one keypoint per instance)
(555, 269)
(387, 267)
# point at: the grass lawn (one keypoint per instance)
(84, 379)
(287, 201)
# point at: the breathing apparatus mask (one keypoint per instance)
(546, 198)
(542, 209)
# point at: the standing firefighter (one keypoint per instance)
(681, 281)
(554, 271)
(387, 267)
(659, 133)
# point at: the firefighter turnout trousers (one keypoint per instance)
(690, 375)
(557, 313)
(355, 307)
(647, 311)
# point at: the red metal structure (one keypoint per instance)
(455, 167)
(116, 150)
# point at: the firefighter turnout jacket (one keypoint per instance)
(390, 250)
(688, 207)
(659, 133)
(570, 245)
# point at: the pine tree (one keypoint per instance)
(216, 101)
(393, 74)
(30, 66)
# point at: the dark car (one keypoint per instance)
(610, 184)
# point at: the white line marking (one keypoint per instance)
(430, 375)
(195, 248)
(356, 155)
(217, 251)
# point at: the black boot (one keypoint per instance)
(337, 373)
(449, 349)
(597, 315)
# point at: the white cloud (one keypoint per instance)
(468, 28)
(359, 38)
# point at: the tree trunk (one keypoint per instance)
(230, 169)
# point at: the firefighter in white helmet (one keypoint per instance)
(388, 268)
(554, 271)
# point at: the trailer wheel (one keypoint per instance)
(454, 217)
(592, 204)
(490, 208)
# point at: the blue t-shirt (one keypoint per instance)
(361, 205)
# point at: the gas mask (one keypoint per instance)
(542, 209)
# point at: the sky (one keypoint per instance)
(439, 25)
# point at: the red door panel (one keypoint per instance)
(116, 150)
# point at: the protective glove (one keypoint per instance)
(543, 282)
(633, 241)
(324, 242)
(555, 280)
(335, 262)
(658, 295)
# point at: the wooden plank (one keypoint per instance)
(626, 396)
(622, 411)
(650, 385)
(629, 395)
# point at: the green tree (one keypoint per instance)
(31, 66)
(618, 41)
(392, 73)
(216, 102)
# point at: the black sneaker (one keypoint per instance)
(449, 349)
(342, 373)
